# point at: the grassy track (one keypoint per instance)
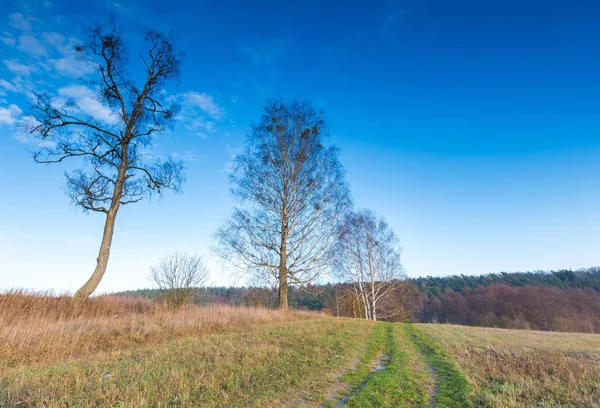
(452, 387)
(399, 384)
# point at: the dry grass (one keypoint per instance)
(518, 368)
(41, 328)
(55, 354)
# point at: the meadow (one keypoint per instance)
(130, 352)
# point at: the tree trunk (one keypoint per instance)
(283, 274)
(109, 227)
(283, 271)
(374, 310)
(373, 299)
(283, 289)
(102, 261)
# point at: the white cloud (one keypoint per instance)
(28, 122)
(205, 102)
(9, 115)
(60, 42)
(194, 123)
(55, 39)
(20, 22)
(70, 66)
(86, 101)
(31, 45)
(187, 156)
(8, 39)
(4, 84)
(16, 67)
(67, 64)
(17, 84)
(199, 112)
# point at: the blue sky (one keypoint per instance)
(472, 126)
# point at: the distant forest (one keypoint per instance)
(562, 300)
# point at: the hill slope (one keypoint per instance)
(148, 356)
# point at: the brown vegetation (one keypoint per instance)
(531, 307)
(43, 328)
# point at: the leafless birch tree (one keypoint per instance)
(113, 170)
(176, 275)
(367, 254)
(292, 191)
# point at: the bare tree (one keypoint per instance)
(367, 254)
(176, 275)
(292, 192)
(114, 170)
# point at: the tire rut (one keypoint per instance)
(378, 364)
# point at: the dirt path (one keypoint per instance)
(434, 389)
(429, 373)
(377, 365)
(431, 377)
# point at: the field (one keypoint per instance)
(130, 353)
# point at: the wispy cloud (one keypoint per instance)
(8, 39)
(70, 66)
(17, 84)
(28, 122)
(85, 100)
(199, 112)
(9, 115)
(20, 21)
(31, 45)
(49, 52)
(16, 67)
(204, 102)
(7, 86)
(187, 156)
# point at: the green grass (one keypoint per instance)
(356, 376)
(399, 384)
(452, 386)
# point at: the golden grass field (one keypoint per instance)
(130, 352)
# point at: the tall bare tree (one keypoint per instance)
(114, 171)
(176, 275)
(292, 191)
(367, 254)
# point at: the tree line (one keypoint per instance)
(562, 300)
